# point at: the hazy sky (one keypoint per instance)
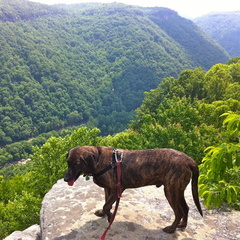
(186, 8)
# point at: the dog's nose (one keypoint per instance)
(67, 177)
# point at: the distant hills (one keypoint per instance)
(71, 64)
(224, 27)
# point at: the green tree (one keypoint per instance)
(50, 159)
(62, 66)
(19, 213)
(217, 80)
(175, 123)
(220, 170)
(21, 192)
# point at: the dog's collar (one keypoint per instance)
(117, 155)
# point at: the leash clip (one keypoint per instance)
(116, 151)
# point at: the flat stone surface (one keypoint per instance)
(68, 214)
(31, 233)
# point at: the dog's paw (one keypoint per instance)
(182, 225)
(99, 213)
(169, 229)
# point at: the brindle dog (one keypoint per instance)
(167, 167)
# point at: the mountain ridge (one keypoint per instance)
(224, 28)
(89, 65)
(16, 10)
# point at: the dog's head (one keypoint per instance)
(80, 160)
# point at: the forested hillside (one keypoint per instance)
(67, 65)
(197, 112)
(223, 27)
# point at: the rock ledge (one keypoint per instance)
(67, 213)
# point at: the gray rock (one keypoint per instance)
(31, 233)
(68, 214)
(65, 208)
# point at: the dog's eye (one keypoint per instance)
(83, 160)
(78, 161)
(74, 164)
(71, 164)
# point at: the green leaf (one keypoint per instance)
(208, 200)
(236, 189)
(222, 194)
(237, 159)
(206, 193)
(228, 157)
(234, 195)
(226, 114)
(210, 148)
(229, 195)
(217, 201)
(202, 189)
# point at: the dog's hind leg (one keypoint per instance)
(173, 196)
(185, 210)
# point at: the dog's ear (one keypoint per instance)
(99, 149)
(67, 155)
(90, 156)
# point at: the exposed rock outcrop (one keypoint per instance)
(31, 233)
(68, 214)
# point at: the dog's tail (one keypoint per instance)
(195, 174)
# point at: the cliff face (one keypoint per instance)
(68, 214)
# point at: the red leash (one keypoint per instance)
(119, 192)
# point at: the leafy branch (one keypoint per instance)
(220, 168)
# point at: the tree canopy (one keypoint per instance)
(205, 128)
(68, 65)
(87, 67)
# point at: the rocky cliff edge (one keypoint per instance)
(67, 213)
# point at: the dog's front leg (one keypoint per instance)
(100, 212)
(111, 197)
(108, 205)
